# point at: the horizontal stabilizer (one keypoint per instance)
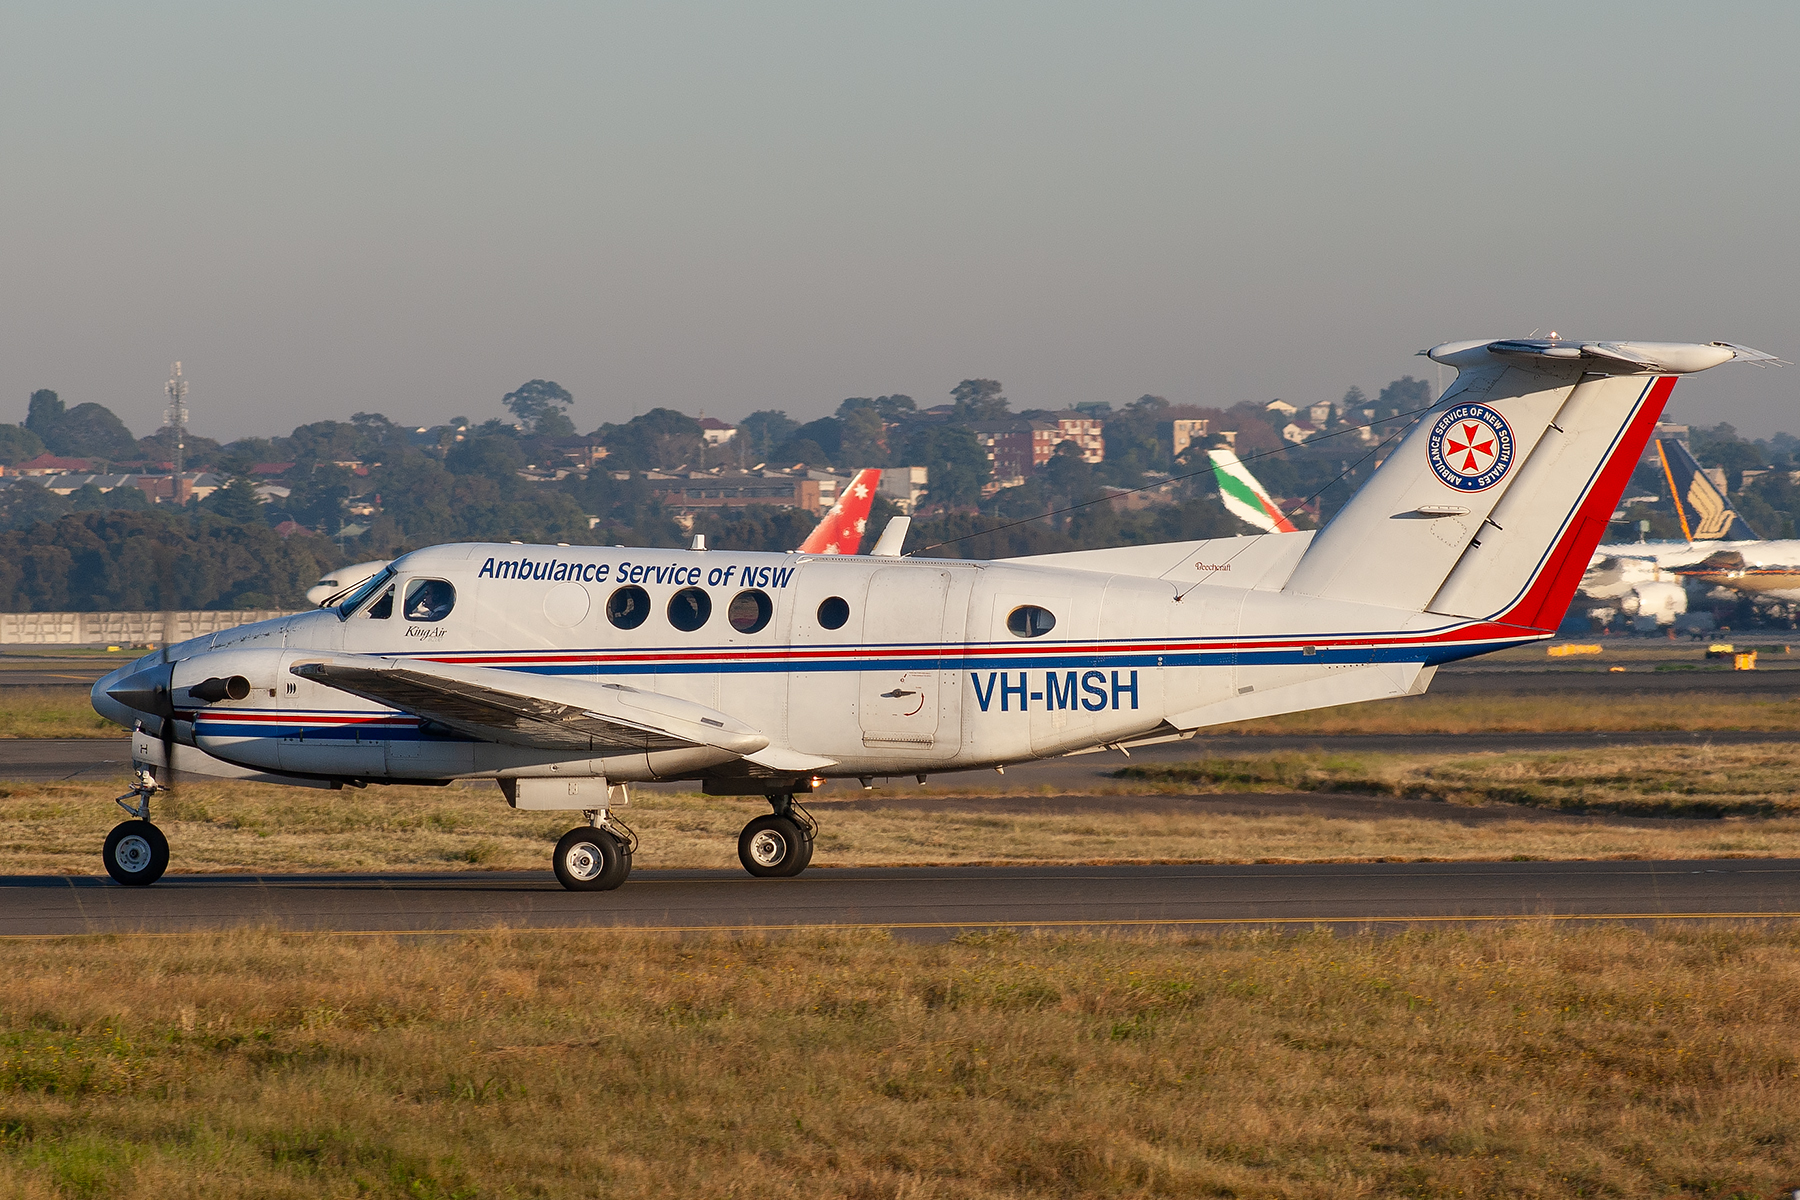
(1609, 358)
(1355, 685)
(535, 710)
(1263, 560)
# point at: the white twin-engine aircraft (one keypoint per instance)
(565, 673)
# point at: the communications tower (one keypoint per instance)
(175, 417)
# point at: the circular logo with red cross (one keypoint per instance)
(1470, 447)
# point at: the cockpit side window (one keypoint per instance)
(355, 600)
(383, 608)
(428, 600)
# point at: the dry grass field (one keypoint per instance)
(1521, 1061)
(1507, 712)
(56, 828)
(1661, 781)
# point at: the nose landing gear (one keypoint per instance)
(136, 852)
(779, 845)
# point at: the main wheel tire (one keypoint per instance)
(773, 847)
(590, 860)
(136, 853)
(620, 872)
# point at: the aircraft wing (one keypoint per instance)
(545, 712)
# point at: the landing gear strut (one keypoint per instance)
(595, 857)
(779, 845)
(136, 852)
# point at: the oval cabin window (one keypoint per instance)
(628, 607)
(689, 608)
(750, 611)
(1028, 621)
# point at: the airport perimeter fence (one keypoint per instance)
(122, 629)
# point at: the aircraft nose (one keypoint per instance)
(145, 691)
(103, 702)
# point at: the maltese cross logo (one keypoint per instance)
(1470, 447)
(1477, 439)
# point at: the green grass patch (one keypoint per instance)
(52, 713)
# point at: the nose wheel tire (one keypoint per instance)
(136, 853)
(590, 860)
(774, 847)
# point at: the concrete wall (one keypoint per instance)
(118, 628)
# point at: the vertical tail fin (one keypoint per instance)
(1705, 512)
(841, 530)
(1492, 505)
(1244, 497)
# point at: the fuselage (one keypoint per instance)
(1763, 567)
(882, 666)
(340, 581)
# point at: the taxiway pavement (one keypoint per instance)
(923, 902)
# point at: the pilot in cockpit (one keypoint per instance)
(429, 600)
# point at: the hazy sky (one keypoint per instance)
(412, 209)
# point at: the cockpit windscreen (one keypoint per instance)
(362, 593)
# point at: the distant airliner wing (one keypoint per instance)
(547, 712)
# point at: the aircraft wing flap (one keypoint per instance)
(537, 711)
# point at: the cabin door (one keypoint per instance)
(825, 635)
(908, 698)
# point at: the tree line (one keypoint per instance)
(463, 481)
(155, 561)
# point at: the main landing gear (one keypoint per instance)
(779, 845)
(597, 856)
(136, 851)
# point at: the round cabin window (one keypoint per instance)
(689, 608)
(1029, 621)
(628, 607)
(833, 612)
(750, 611)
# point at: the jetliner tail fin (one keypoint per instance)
(841, 530)
(1705, 512)
(1491, 506)
(1244, 497)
